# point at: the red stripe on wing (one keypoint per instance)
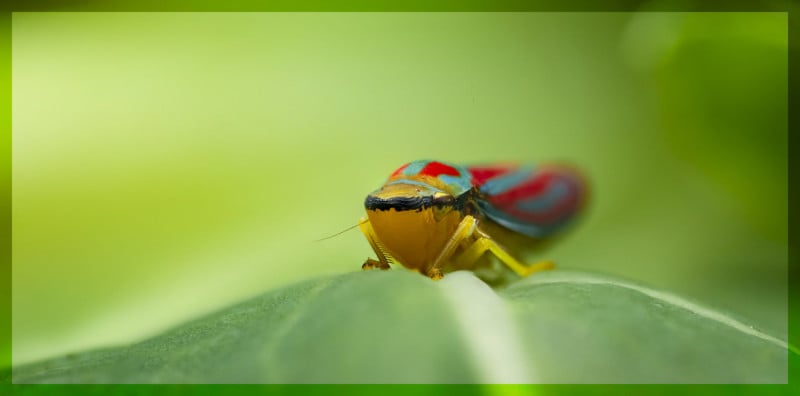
(540, 204)
(481, 174)
(564, 207)
(537, 184)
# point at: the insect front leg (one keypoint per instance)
(485, 243)
(369, 233)
(465, 229)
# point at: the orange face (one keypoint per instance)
(413, 221)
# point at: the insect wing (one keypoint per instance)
(534, 201)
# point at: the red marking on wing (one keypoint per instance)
(399, 170)
(539, 183)
(566, 206)
(481, 174)
(437, 168)
(530, 188)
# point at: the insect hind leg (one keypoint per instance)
(464, 231)
(484, 243)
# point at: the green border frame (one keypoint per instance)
(10, 6)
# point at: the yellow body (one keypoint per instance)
(414, 238)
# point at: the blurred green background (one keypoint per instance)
(166, 165)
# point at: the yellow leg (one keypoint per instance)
(484, 243)
(465, 229)
(369, 233)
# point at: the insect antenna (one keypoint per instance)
(341, 232)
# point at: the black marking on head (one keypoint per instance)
(417, 203)
(463, 203)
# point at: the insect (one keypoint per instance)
(434, 217)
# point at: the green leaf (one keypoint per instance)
(399, 327)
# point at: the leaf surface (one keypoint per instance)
(399, 327)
